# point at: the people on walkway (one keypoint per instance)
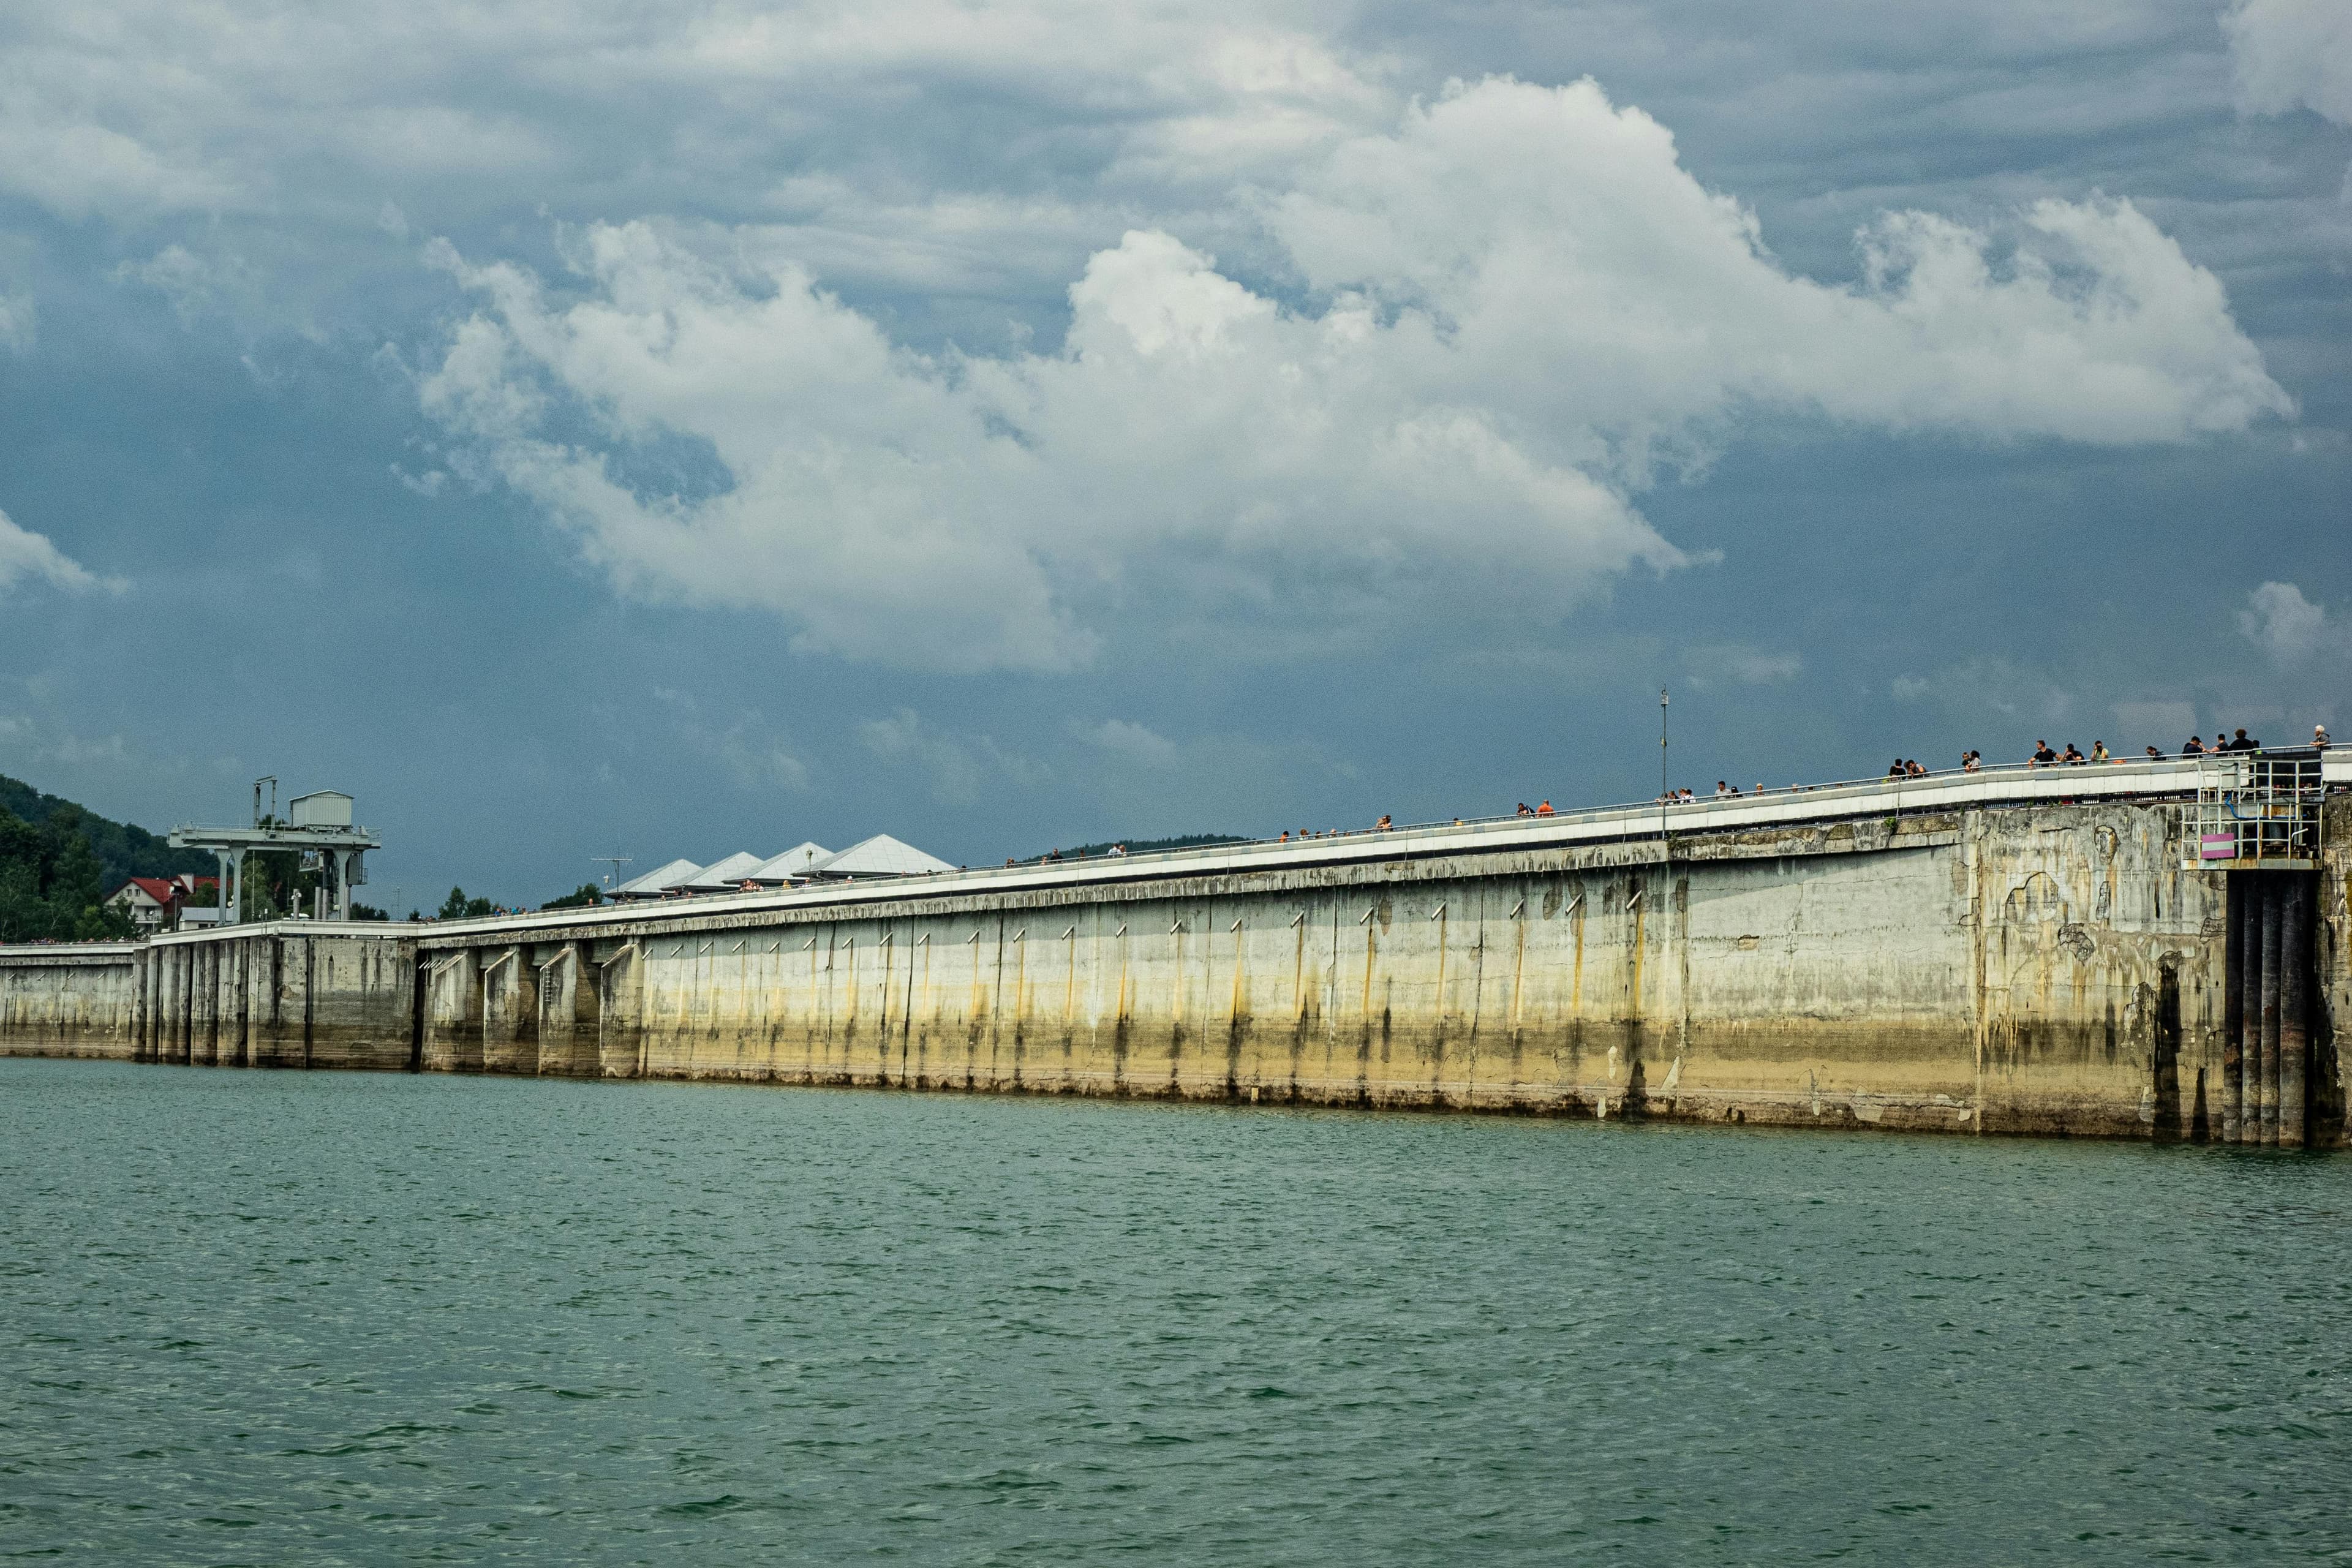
(2099, 752)
(1384, 825)
(1544, 810)
(2072, 757)
(2319, 736)
(2196, 748)
(2042, 755)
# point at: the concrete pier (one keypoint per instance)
(2291, 893)
(2035, 967)
(2265, 890)
(2233, 1022)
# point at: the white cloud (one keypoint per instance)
(200, 286)
(2289, 627)
(76, 752)
(2292, 54)
(2160, 723)
(760, 761)
(958, 768)
(26, 555)
(1909, 688)
(1741, 665)
(130, 109)
(15, 322)
(1128, 742)
(1522, 303)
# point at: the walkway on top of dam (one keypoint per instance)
(2171, 778)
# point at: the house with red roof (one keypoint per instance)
(162, 904)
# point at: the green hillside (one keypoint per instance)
(58, 861)
(1142, 845)
(124, 850)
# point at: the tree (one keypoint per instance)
(52, 884)
(458, 906)
(588, 895)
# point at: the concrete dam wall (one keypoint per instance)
(2005, 967)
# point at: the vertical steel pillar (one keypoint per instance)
(2272, 950)
(2294, 991)
(2233, 1005)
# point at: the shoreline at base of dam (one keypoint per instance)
(2037, 968)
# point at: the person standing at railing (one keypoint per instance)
(2042, 755)
(2319, 736)
(2196, 748)
(2072, 757)
(2099, 752)
(1544, 810)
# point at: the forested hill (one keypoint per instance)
(121, 850)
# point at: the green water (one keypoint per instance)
(255, 1316)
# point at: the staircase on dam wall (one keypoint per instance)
(2035, 967)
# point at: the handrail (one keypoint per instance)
(1951, 788)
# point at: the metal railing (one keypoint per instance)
(2260, 811)
(1945, 791)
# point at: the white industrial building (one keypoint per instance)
(880, 856)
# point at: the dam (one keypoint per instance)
(2053, 952)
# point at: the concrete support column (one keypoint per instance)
(620, 1012)
(453, 1013)
(511, 1013)
(237, 1004)
(143, 1008)
(183, 998)
(2233, 1005)
(568, 1018)
(2272, 936)
(2295, 898)
(203, 1009)
(284, 1041)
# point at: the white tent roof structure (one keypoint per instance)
(880, 856)
(652, 883)
(724, 876)
(794, 862)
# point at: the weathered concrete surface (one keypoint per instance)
(293, 993)
(77, 1001)
(2043, 969)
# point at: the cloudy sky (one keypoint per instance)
(578, 428)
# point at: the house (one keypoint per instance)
(162, 904)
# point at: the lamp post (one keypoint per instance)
(1661, 768)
